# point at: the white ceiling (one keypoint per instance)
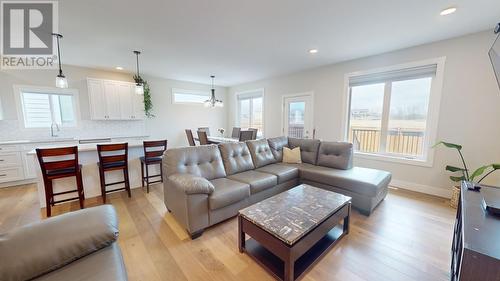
(246, 40)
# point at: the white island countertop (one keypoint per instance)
(68, 139)
(89, 146)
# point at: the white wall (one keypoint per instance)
(469, 112)
(170, 121)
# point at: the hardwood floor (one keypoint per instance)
(408, 237)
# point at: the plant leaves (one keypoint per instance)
(495, 166)
(453, 168)
(449, 145)
(457, 179)
(479, 171)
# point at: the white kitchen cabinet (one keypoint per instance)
(11, 165)
(114, 100)
(138, 103)
(126, 101)
(97, 101)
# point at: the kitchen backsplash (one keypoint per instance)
(11, 130)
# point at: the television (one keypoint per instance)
(494, 54)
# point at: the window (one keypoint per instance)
(182, 96)
(43, 108)
(390, 112)
(250, 110)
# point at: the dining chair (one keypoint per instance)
(246, 135)
(153, 155)
(236, 132)
(203, 138)
(205, 129)
(113, 157)
(254, 136)
(190, 138)
(56, 163)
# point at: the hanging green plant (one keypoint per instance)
(148, 104)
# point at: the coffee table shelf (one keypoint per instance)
(276, 267)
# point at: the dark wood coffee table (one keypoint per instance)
(292, 231)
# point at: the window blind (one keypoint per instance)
(37, 112)
(394, 75)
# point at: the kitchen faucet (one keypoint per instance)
(52, 129)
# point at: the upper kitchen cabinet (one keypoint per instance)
(114, 100)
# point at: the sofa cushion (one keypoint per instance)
(284, 173)
(258, 181)
(261, 152)
(236, 157)
(276, 145)
(227, 192)
(105, 264)
(368, 182)
(38, 248)
(308, 149)
(336, 155)
(204, 161)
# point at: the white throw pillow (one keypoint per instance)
(291, 156)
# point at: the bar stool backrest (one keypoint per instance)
(54, 159)
(154, 149)
(112, 153)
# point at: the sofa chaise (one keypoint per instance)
(208, 184)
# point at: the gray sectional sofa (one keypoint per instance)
(207, 184)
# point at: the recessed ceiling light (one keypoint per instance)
(119, 68)
(448, 11)
(313, 51)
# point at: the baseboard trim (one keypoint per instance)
(427, 189)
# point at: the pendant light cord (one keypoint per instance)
(58, 52)
(137, 62)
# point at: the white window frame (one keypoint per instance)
(248, 95)
(19, 89)
(191, 92)
(432, 116)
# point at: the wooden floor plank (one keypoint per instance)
(408, 237)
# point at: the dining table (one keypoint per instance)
(217, 140)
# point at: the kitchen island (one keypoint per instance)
(87, 157)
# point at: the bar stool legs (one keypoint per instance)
(146, 178)
(113, 157)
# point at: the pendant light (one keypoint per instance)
(139, 83)
(212, 101)
(61, 81)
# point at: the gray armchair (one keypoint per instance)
(80, 245)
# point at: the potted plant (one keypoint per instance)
(148, 104)
(464, 172)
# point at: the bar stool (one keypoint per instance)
(153, 152)
(57, 163)
(113, 157)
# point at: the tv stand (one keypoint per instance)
(475, 250)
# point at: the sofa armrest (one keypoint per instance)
(191, 184)
(36, 249)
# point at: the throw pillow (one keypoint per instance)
(291, 156)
